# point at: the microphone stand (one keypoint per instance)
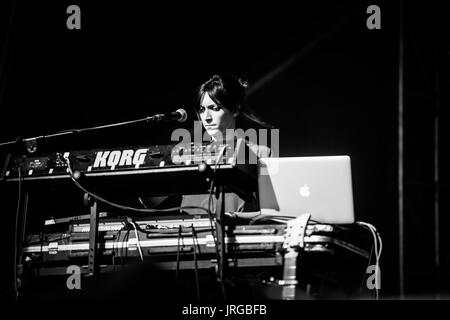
(31, 143)
(31, 146)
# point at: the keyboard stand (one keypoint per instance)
(93, 266)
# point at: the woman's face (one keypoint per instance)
(215, 119)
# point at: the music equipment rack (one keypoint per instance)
(140, 171)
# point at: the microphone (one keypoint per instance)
(180, 115)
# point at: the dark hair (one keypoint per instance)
(230, 92)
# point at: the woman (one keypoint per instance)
(221, 106)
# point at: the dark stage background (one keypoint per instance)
(326, 81)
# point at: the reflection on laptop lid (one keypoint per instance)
(320, 186)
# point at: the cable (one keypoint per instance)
(197, 285)
(220, 222)
(16, 246)
(178, 253)
(167, 230)
(69, 168)
(210, 199)
(211, 218)
(127, 208)
(116, 242)
(376, 260)
(137, 238)
(376, 238)
(125, 240)
(142, 202)
(368, 264)
(119, 206)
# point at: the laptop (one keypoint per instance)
(320, 186)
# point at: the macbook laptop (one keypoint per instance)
(320, 186)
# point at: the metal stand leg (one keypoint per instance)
(220, 232)
(289, 281)
(93, 234)
(19, 262)
(293, 243)
(219, 225)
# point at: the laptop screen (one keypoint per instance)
(320, 186)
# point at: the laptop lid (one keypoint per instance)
(320, 186)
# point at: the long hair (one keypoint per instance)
(229, 91)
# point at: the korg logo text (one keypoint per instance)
(120, 158)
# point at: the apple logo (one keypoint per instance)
(304, 191)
